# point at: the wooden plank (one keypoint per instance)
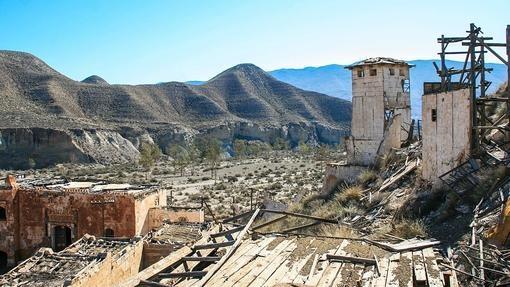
(239, 266)
(405, 268)
(261, 262)
(269, 271)
(297, 266)
(201, 258)
(227, 232)
(367, 279)
(321, 267)
(269, 222)
(383, 269)
(231, 251)
(420, 274)
(213, 245)
(334, 267)
(301, 215)
(239, 216)
(157, 267)
(391, 280)
(434, 277)
(182, 274)
(352, 259)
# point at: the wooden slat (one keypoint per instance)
(202, 258)
(380, 281)
(288, 266)
(352, 259)
(405, 268)
(332, 269)
(420, 274)
(269, 222)
(240, 266)
(227, 232)
(367, 279)
(269, 271)
(213, 245)
(230, 252)
(297, 265)
(321, 267)
(433, 273)
(239, 216)
(391, 280)
(262, 261)
(182, 274)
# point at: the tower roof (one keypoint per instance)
(378, 61)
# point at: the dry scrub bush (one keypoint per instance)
(408, 228)
(352, 193)
(367, 176)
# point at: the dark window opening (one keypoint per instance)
(61, 237)
(108, 232)
(392, 72)
(3, 262)
(361, 73)
(434, 115)
(373, 72)
(402, 72)
(3, 214)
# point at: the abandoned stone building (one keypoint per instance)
(381, 116)
(34, 215)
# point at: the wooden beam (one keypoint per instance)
(230, 252)
(269, 222)
(288, 230)
(236, 217)
(213, 245)
(300, 215)
(227, 232)
(332, 257)
(152, 283)
(183, 274)
(202, 258)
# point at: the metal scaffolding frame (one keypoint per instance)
(472, 76)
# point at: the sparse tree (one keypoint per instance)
(240, 148)
(280, 144)
(303, 148)
(180, 157)
(213, 153)
(149, 154)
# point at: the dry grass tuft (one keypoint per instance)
(409, 229)
(349, 194)
(367, 176)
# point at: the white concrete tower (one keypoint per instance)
(381, 108)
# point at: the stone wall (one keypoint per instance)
(447, 124)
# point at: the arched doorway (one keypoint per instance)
(3, 262)
(61, 237)
(108, 232)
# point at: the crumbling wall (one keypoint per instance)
(447, 125)
(114, 269)
(8, 226)
(156, 216)
(152, 253)
(338, 172)
(142, 207)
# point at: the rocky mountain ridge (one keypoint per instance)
(95, 121)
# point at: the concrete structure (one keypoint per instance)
(381, 117)
(34, 215)
(447, 126)
(381, 108)
(87, 262)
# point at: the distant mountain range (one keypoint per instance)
(49, 118)
(335, 80)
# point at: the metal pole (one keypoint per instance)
(508, 56)
(443, 64)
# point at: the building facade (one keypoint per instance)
(381, 108)
(56, 216)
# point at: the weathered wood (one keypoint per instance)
(239, 216)
(420, 274)
(334, 266)
(227, 232)
(213, 245)
(157, 267)
(383, 267)
(301, 215)
(202, 259)
(152, 283)
(264, 224)
(230, 251)
(406, 270)
(183, 274)
(433, 272)
(264, 278)
(289, 230)
(368, 261)
(392, 280)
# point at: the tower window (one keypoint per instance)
(434, 115)
(373, 72)
(361, 73)
(392, 72)
(3, 214)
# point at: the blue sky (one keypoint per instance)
(156, 41)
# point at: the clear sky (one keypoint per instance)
(157, 41)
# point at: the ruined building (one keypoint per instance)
(34, 215)
(381, 116)
(381, 108)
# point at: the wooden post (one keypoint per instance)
(482, 273)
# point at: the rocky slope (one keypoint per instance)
(95, 121)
